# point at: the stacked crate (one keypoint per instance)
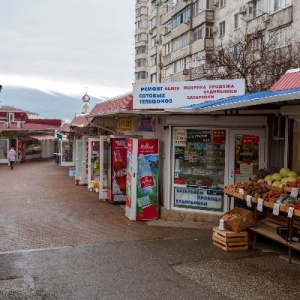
(230, 241)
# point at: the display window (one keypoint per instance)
(67, 151)
(199, 168)
(246, 162)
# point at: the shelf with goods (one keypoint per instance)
(276, 217)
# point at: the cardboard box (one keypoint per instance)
(238, 219)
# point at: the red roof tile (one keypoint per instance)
(80, 121)
(123, 102)
(290, 80)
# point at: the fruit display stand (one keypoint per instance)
(280, 221)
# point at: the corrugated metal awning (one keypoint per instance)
(244, 101)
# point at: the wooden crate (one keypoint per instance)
(230, 241)
(276, 221)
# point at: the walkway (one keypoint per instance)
(41, 207)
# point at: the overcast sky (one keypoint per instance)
(67, 45)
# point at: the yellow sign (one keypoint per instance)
(8, 133)
(124, 124)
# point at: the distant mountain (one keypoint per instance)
(55, 105)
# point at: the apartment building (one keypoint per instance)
(174, 39)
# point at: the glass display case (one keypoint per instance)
(199, 168)
(200, 161)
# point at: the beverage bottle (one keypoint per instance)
(120, 171)
(145, 177)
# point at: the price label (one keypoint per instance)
(294, 192)
(221, 224)
(248, 200)
(260, 204)
(270, 182)
(241, 191)
(290, 212)
(276, 209)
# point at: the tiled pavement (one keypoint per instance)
(41, 207)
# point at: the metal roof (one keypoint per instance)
(290, 80)
(258, 98)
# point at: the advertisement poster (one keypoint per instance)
(146, 124)
(118, 169)
(129, 180)
(147, 180)
(199, 198)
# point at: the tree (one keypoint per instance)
(259, 57)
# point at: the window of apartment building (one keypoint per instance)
(167, 48)
(222, 3)
(153, 42)
(141, 62)
(140, 37)
(141, 75)
(153, 22)
(153, 77)
(199, 6)
(236, 50)
(222, 28)
(181, 41)
(276, 5)
(281, 37)
(141, 24)
(237, 21)
(153, 5)
(140, 50)
(153, 60)
(256, 8)
(180, 17)
(202, 32)
(180, 65)
(257, 40)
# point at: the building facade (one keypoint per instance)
(175, 38)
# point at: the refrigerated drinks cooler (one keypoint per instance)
(142, 179)
(116, 165)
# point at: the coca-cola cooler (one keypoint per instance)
(116, 163)
(142, 179)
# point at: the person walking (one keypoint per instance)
(11, 157)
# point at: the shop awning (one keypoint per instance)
(42, 137)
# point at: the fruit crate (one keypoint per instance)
(230, 241)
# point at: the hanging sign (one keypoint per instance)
(124, 124)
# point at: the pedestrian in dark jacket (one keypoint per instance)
(11, 157)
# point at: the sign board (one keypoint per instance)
(199, 198)
(184, 93)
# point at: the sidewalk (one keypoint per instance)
(41, 208)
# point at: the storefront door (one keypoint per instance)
(94, 163)
(104, 166)
(80, 161)
(247, 154)
(67, 158)
(4, 148)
